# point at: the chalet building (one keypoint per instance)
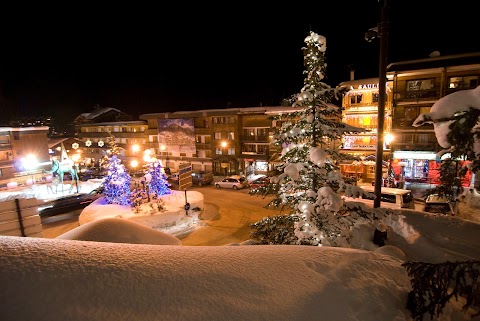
(360, 109)
(23, 154)
(412, 89)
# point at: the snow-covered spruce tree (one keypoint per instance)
(310, 183)
(116, 186)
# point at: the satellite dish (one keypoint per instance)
(435, 54)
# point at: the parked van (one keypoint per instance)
(201, 178)
(390, 197)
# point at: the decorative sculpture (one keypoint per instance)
(60, 168)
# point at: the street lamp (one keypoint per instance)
(382, 86)
(224, 165)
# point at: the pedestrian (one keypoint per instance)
(380, 234)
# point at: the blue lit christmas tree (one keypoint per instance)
(116, 186)
(158, 180)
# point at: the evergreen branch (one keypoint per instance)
(434, 285)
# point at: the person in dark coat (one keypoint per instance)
(380, 234)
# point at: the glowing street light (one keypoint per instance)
(147, 155)
(388, 139)
(30, 161)
(136, 148)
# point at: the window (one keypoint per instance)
(218, 151)
(463, 82)
(231, 151)
(411, 113)
(4, 139)
(218, 135)
(375, 97)
(218, 120)
(356, 98)
(230, 136)
(262, 149)
(421, 88)
(417, 85)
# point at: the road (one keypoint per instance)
(225, 218)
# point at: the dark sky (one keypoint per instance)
(65, 64)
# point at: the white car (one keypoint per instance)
(235, 182)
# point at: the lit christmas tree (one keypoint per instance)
(116, 186)
(156, 178)
(311, 184)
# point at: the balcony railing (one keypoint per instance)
(255, 138)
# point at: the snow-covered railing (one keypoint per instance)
(19, 217)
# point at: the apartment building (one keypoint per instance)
(93, 130)
(223, 141)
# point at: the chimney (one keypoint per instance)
(352, 72)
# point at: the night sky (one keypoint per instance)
(64, 65)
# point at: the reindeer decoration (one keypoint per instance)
(60, 168)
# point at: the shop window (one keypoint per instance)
(375, 97)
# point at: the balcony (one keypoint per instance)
(202, 131)
(256, 138)
(203, 146)
(415, 95)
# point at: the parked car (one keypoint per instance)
(389, 197)
(439, 204)
(173, 177)
(235, 182)
(69, 203)
(201, 178)
(259, 182)
(88, 174)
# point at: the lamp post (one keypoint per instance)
(224, 145)
(382, 86)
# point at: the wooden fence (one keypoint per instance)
(19, 217)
